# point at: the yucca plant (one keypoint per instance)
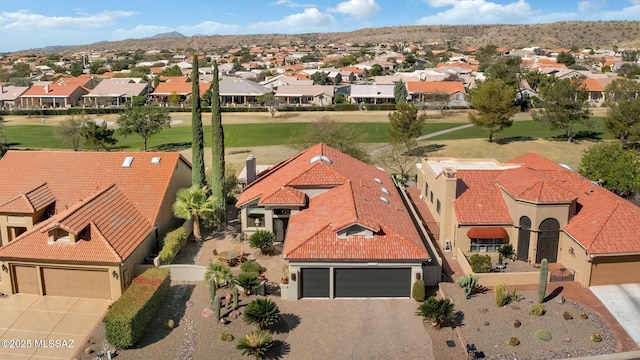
(219, 271)
(247, 280)
(262, 240)
(255, 343)
(436, 310)
(262, 312)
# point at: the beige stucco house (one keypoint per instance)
(78, 223)
(543, 209)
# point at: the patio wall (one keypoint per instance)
(493, 279)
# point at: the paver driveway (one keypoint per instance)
(356, 329)
(46, 327)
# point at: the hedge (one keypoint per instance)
(172, 243)
(129, 317)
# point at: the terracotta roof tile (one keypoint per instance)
(526, 184)
(285, 196)
(478, 199)
(449, 87)
(353, 196)
(107, 225)
(30, 202)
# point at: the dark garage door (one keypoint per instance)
(315, 282)
(390, 282)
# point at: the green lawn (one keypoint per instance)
(530, 129)
(38, 136)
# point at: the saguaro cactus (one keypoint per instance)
(216, 306)
(542, 284)
(234, 292)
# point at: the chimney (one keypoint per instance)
(251, 169)
(1, 88)
(46, 89)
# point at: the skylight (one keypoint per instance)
(384, 190)
(320, 158)
(384, 199)
(377, 180)
(127, 161)
(155, 160)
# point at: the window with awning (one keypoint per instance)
(487, 233)
(486, 239)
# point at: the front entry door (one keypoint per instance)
(524, 235)
(548, 240)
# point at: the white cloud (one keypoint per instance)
(358, 8)
(308, 21)
(478, 12)
(290, 3)
(27, 20)
(586, 6)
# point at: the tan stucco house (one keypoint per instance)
(543, 209)
(344, 223)
(78, 223)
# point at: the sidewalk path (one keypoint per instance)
(374, 153)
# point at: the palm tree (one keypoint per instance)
(255, 343)
(218, 271)
(506, 252)
(193, 203)
(262, 312)
(436, 310)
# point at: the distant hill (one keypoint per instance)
(583, 34)
(168, 35)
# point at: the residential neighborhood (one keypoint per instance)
(278, 230)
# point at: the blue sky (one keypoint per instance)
(26, 24)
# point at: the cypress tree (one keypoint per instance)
(217, 149)
(197, 145)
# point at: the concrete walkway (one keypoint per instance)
(381, 150)
(623, 302)
(356, 329)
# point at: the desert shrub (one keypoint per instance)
(515, 296)
(543, 334)
(480, 263)
(418, 292)
(502, 298)
(225, 336)
(255, 343)
(517, 324)
(171, 245)
(247, 280)
(567, 316)
(513, 341)
(486, 323)
(537, 310)
(584, 316)
(129, 317)
(468, 283)
(262, 312)
(596, 337)
(251, 266)
(437, 310)
(262, 240)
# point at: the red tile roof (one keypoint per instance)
(478, 199)
(108, 228)
(604, 224)
(449, 87)
(286, 195)
(352, 196)
(110, 209)
(76, 175)
(33, 200)
(54, 90)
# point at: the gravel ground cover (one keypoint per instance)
(490, 327)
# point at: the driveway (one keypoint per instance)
(355, 329)
(46, 327)
(623, 302)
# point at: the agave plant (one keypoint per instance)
(255, 343)
(262, 240)
(247, 280)
(262, 312)
(436, 310)
(219, 271)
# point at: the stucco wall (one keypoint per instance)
(181, 179)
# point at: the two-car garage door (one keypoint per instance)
(88, 283)
(356, 282)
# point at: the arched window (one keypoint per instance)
(548, 240)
